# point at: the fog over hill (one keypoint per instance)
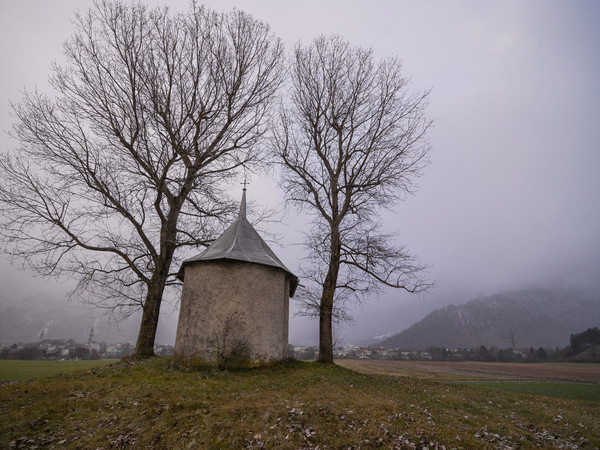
(23, 317)
(532, 318)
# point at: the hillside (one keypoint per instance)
(536, 318)
(147, 404)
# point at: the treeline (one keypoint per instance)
(495, 354)
(584, 347)
(586, 341)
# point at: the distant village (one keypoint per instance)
(60, 349)
(585, 347)
(481, 353)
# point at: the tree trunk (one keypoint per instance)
(151, 310)
(145, 341)
(325, 331)
(326, 306)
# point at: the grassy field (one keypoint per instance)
(569, 391)
(29, 370)
(294, 405)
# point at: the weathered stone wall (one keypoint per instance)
(227, 301)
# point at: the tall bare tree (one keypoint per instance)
(351, 141)
(127, 163)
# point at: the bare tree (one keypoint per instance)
(128, 162)
(351, 141)
(230, 341)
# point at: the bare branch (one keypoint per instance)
(128, 163)
(350, 141)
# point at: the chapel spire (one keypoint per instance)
(243, 202)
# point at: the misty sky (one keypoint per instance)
(511, 197)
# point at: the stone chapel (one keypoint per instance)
(235, 300)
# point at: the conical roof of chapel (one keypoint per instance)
(241, 242)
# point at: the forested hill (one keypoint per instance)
(536, 318)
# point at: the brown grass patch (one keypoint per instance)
(472, 370)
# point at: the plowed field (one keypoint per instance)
(471, 370)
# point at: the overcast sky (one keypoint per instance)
(511, 198)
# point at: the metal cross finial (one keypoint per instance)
(245, 183)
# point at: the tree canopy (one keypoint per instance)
(351, 141)
(125, 165)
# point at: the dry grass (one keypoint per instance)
(472, 370)
(295, 405)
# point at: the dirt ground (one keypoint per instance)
(564, 372)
